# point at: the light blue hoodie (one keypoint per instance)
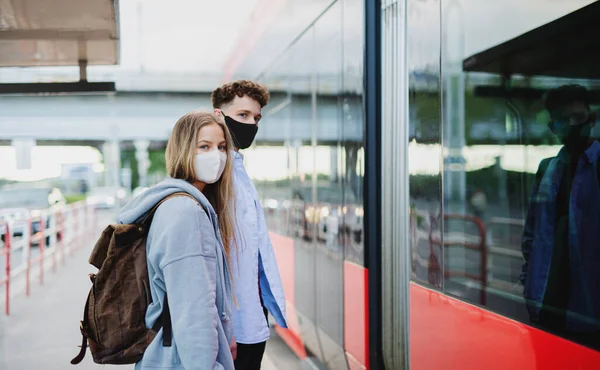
(187, 260)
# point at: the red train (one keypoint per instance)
(412, 131)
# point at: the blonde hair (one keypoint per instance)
(180, 155)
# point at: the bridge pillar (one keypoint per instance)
(353, 179)
(143, 160)
(334, 158)
(111, 152)
(454, 138)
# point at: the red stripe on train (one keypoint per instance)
(446, 333)
(356, 315)
(284, 252)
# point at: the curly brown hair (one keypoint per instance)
(225, 94)
(566, 94)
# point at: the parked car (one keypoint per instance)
(17, 217)
(332, 215)
(107, 197)
(21, 202)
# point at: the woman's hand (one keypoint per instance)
(233, 348)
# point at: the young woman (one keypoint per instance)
(188, 248)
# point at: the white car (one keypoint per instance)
(17, 218)
(106, 197)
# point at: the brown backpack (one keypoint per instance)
(114, 322)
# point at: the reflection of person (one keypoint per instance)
(83, 187)
(185, 255)
(479, 202)
(257, 283)
(562, 231)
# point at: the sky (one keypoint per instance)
(180, 35)
(46, 162)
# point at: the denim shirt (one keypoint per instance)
(253, 258)
(583, 240)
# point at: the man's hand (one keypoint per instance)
(233, 348)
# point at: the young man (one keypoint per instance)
(562, 231)
(256, 278)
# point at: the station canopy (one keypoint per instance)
(567, 47)
(58, 32)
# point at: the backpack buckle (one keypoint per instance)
(82, 329)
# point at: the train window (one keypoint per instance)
(312, 138)
(513, 224)
(425, 142)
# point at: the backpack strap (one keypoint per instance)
(84, 336)
(147, 220)
(164, 321)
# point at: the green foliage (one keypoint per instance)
(157, 164)
(427, 116)
(74, 198)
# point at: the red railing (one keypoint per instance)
(499, 236)
(504, 239)
(5, 232)
(59, 233)
(478, 245)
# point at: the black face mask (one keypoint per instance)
(243, 134)
(573, 137)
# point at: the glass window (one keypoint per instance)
(519, 154)
(424, 149)
(308, 166)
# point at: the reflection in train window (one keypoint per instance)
(516, 225)
(308, 167)
(424, 150)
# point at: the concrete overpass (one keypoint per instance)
(151, 116)
(143, 120)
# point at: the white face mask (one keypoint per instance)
(209, 166)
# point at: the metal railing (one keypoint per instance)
(471, 241)
(30, 247)
(504, 241)
(497, 242)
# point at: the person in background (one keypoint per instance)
(257, 286)
(479, 203)
(561, 238)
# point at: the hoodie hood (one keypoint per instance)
(143, 203)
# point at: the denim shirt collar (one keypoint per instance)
(237, 156)
(590, 154)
